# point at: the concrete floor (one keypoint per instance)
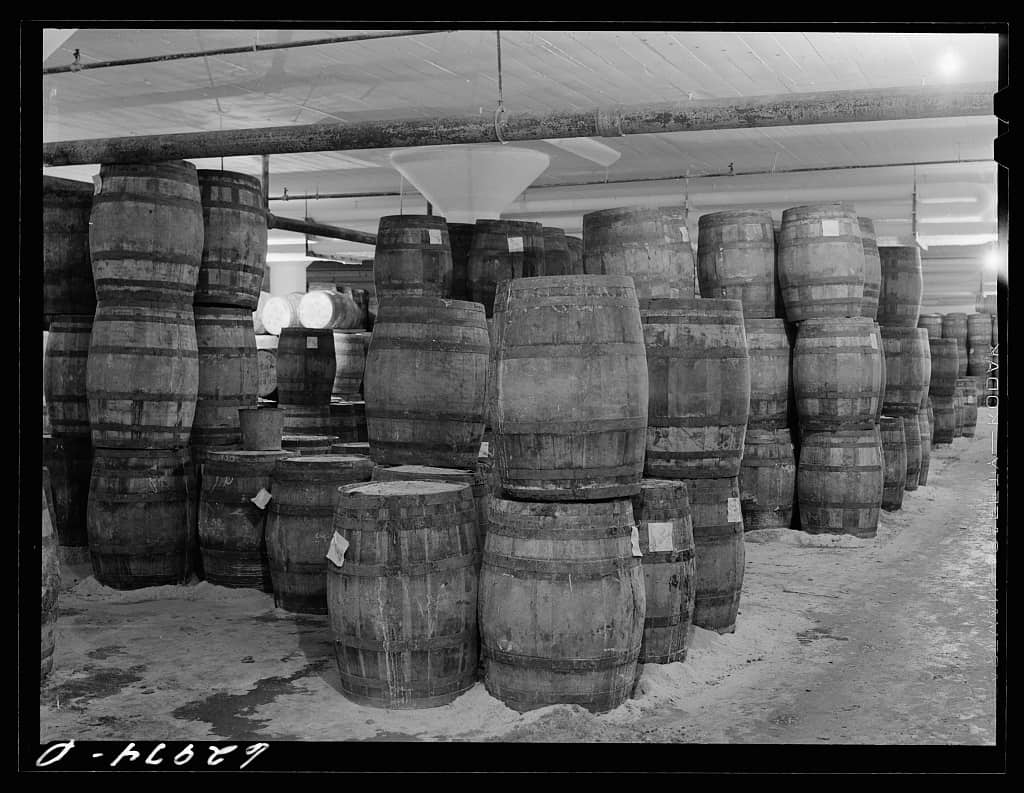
(839, 641)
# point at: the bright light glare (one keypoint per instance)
(949, 65)
(993, 260)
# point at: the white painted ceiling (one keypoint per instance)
(455, 73)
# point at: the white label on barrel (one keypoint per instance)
(874, 342)
(733, 513)
(684, 233)
(312, 342)
(336, 553)
(435, 236)
(485, 449)
(634, 540)
(659, 537)
(515, 244)
(262, 498)
(830, 228)
(97, 184)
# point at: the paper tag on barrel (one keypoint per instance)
(830, 228)
(874, 342)
(659, 537)
(336, 552)
(515, 244)
(733, 512)
(97, 184)
(262, 498)
(435, 236)
(684, 233)
(312, 342)
(634, 540)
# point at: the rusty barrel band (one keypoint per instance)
(418, 644)
(564, 665)
(405, 569)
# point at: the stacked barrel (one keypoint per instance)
(69, 304)
(837, 369)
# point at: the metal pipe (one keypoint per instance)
(319, 229)
(238, 50)
(704, 114)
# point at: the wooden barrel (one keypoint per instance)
(969, 397)
(907, 369)
(954, 326)
(322, 308)
(945, 364)
(228, 373)
(872, 268)
(665, 528)
(497, 253)
(572, 388)
(562, 604)
(69, 461)
(837, 373)
(556, 252)
(299, 519)
(533, 245)
(912, 443)
(839, 482)
(142, 376)
(767, 479)
(700, 387)
(958, 411)
(305, 367)
(636, 242)
(926, 345)
(266, 364)
(50, 581)
(979, 343)
(139, 518)
(67, 268)
(677, 231)
(426, 371)
(231, 524)
(356, 447)
(932, 323)
(234, 239)
(413, 256)
(460, 237)
(877, 332)
(894, 458)
(899, 297)
(427, 473)
(821, 261)
(146, 233)
(924, 418)
(306, 419)
(404, 622)
(736, 260)
(350, 362)
(943, 420)
(280, 312)
(575, 246)
(348, 419)
(770, 383)
(64, 375)
(309, 445)
(718, 539)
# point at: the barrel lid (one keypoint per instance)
(325, 464)
(405, 490)
(829, 209)
(734, 215)
(215, 176)
(309, 440)
(414, 221)
(351, 447)
(383, 473)
(243, 455)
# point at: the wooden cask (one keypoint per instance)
(680, 245)
(323, 308)
(497, 253)
(234, 239)
(350, 362)
(821, 261)
(146, 234)
(945, 365)
(67, 269)
(899, 298)
(298, 531)
(306, 366)
(894, 458)
(979, 343)
(943, 420)
(228, 373)
(266, 365)
(907, 369)
(280, 312)
(770, 354)
(50, 579)
(926, 345)
(924, 418)
(562, 604)
(767, 479)
(348, 419)
(64, 375)
(402, 599)
(139, 517)
(575, 246)
(556, 252)
(700, 387)
(932, 323)
(636, 242)
(958, 412)
(142, 376)
(912, 443)
(839, 482)
(413, 256)
(872, 268)
(69, 461)
(460, 238)
(231, 525)
(665, 528)
(571, 389)
(837, 373)
(954, 326)
(718, 540)
(426, 371)
(969, 397)
(306, 419)
(736, 260)
(309, 445)
(533, 245)
(877, 332)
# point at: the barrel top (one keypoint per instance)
(162, 168)
(954, 316)
(216, 176)
(352, 332)
(309, 440)
(527, 224)
(308, 465)
(398, 471)
(612, 213)
(828, 209)
(891, 332)
(553, 231)
(245, 456)
(734, 216)
(696, 305)
(405, 487)
(414, 221)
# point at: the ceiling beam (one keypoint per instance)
(702, 114)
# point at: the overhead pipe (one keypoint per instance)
(702, 114)
(78, 67)
(319, 229)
